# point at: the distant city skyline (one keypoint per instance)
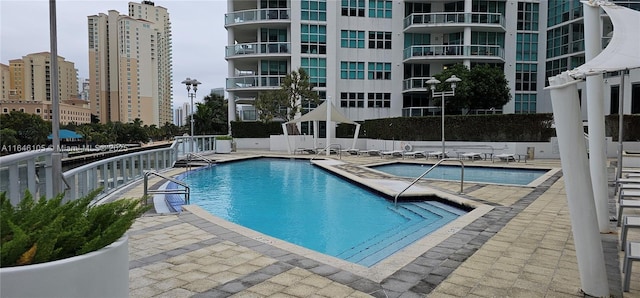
(197, 27)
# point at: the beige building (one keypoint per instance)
(130, 65)
(71, 110)
(26, 87)
(29, 78)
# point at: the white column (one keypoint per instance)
(575, 167)
(595, 115)
(466, 35)
(328, 125)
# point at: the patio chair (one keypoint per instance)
(414, 154)
(506, 157)
(391, 153)
(437, 154)
(472, 155)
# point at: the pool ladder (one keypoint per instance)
(184, 191)
(395, 200)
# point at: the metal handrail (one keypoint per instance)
(200, 157)
(395, 200)
(326, 148)
(186, 191)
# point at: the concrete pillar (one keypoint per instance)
(575, 167)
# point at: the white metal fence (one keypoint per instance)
(32, 170)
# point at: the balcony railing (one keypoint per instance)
(420, 111)
(452, 18)
(256, 15)
(258, 48)
(415, 83)
(454, 51)
(254, 82)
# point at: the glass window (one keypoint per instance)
(380, 9)
(379, 71)
(317, 70)
(353, 8)
(314, 10)
(352, 70)
(352, 100)
(352, 39)
(313, 39)
(379, 40)
(379, 100)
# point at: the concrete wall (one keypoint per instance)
(540, 150)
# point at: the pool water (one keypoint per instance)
(512, 176)
(300, 203)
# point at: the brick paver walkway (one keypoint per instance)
(523, 247)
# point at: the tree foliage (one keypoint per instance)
(286, 102)
(482, 87)
(29, 129)
(210, 116)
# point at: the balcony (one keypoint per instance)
(415, 84)
(454, 21)
(254, 82)
(454, 53)
(261, 48)
(421, 111)
(256, 15)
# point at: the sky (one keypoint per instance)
(198, 36)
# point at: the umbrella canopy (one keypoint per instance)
(66, 134)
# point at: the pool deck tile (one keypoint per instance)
(522, 246)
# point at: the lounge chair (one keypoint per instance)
(371, 152)
(437, 154)
(392, 153)
(351, 151)
(472, 155)
(414, 154)
(506, 157)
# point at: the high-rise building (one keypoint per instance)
(26, 87)
(373, 57)
(130, 69)
(29, 78)
(565, 50)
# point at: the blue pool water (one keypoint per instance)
(300, 203)
(471, 174)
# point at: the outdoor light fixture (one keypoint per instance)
(191, 82)
(453, 80)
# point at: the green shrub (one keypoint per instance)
(47, 230)
(220, 138)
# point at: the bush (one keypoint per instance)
(47, 230)
(220, 138)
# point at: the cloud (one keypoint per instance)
(198, 36)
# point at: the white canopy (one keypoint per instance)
(623, 49)
(323, 113)
(320, 114)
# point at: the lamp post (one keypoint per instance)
(453, 80)
(191, 82)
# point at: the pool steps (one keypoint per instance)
(376, 249)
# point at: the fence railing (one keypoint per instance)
(32, 170)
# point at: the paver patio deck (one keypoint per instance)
(523, 247)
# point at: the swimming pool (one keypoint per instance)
(512, 176)
(302, 204)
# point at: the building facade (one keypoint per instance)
(130, 68)
(565, 51)
(373, 57)
(29, 79)
(26, 87)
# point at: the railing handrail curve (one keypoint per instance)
(395, 199)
